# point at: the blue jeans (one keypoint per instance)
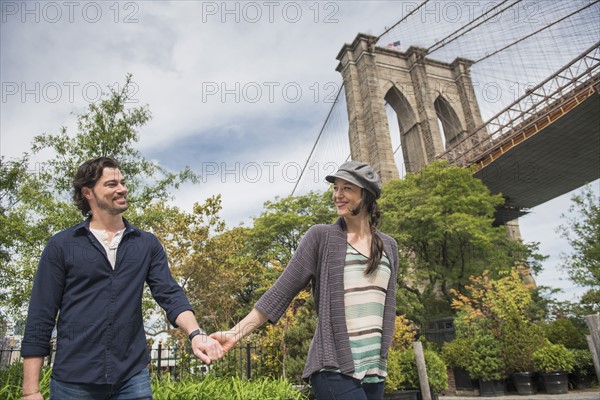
(335, 386)
(135, 388)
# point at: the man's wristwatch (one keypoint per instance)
(196, 333)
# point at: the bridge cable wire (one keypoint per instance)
(558, 73)
(338, 94)
(403, 19)
(440, 44)
(335, 102)
(536, 32)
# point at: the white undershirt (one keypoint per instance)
(109, 246)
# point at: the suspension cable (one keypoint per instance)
(536, 32)
(441, 43)
(403, 19)
(335, 102)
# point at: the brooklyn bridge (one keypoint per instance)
(402, 107)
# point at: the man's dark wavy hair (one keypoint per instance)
(87, 175)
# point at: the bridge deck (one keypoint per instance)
(561, 157)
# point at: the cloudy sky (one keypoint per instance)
(239, 90)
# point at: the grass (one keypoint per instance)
(212, 388)
(166, 388)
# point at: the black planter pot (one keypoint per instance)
(491, 388)
(463, 381)
(525, 383)
(580, 381)
(434, 396)
(402, 395)
(556, 383)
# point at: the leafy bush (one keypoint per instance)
(11, 378)
(12, 381)
(564, 331)
(485, 360)
(476, 349)
(518, 342)
(404, 334)
(553, 358)
(584, 365)
(289, 339)
(403, 374)
(456, 353)
(394, 379)
(495, 322)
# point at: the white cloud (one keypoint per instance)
(191, 61)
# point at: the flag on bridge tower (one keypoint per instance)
(393, 46)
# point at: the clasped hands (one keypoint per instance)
(212, 347)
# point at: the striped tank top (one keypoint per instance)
(364, 300)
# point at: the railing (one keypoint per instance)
(530, 113)
(245, 361)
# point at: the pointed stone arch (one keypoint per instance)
(408, 125)
(452, 127)
(407, 80)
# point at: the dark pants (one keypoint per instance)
(135, 388)
(336, 386)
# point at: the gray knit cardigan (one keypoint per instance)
(320, 259)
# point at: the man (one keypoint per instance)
(93, 275)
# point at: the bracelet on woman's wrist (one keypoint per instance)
(30, 393)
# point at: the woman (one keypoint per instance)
(352, 267)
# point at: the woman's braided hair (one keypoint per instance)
(368, 201)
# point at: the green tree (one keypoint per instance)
(289, 339)
(13, 222)
(276, 233)
(568, 332)
(582, 231)
(213, 263)
(442, 218)
(12, 174)
(274, 237)
(110, 128)
(39, 196)
(30, 215)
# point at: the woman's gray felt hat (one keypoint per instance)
(359, 173)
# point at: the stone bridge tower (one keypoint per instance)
(434, 101)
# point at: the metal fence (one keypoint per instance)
(245, 361)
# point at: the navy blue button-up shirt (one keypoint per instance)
(100, 329)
